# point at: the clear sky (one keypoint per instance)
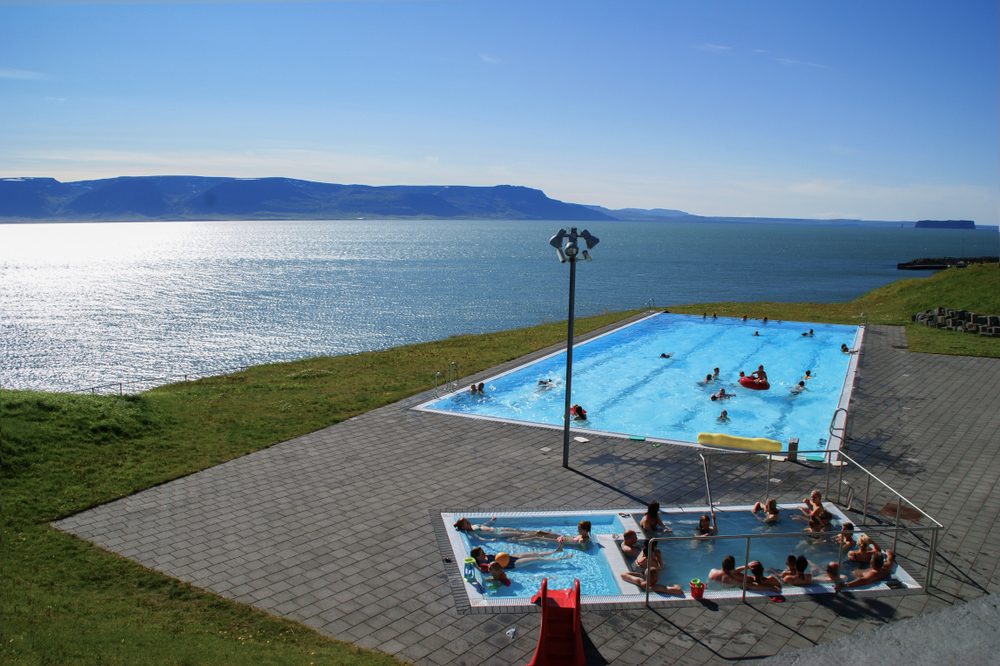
(873, 110)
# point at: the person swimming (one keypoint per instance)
(768, 508)
(808, 335)
(578, 413)
(723, 417)
(665, 355)
(809, 374)
(798, 388)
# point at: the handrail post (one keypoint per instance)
(930, 561)
(895, 535)
(868, 487)
(826, 493)
(767, 486)
(840, 562)
(840, 481)
(746, 570)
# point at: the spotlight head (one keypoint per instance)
(571, 249)
(556, 241)
(590, 238)
(562, 257)
(586, 255)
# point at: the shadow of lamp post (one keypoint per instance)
(567, 249)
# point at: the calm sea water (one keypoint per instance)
(86, 304)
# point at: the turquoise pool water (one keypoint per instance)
(628, 389)
(590, 566)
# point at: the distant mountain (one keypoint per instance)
(167, 198)
(199, 198)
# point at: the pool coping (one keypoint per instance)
(833, 443)
(469, 600)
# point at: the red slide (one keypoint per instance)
(561, 638)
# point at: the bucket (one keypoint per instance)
(697, 589)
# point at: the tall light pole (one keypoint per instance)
(567, 249)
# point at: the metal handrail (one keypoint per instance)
(928, 580)
(453, 385)
(649, 305)
(865, 316)
(436, 375)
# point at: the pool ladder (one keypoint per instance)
(452, 384)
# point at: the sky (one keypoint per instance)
(870, 110)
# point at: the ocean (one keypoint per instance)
(86, 304)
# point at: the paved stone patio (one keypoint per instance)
(298, 529)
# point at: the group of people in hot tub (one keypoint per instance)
(873, 564)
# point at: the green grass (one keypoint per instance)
(64, 601)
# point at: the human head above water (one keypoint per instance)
(463, 524)
(653, 508)
(583, 527)
(630, 538)
(728, 563)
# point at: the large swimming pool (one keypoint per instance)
(629, 389)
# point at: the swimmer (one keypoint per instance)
(808, 335)
(880, 570)
(715, 373)
(706, 526)
(666, 355)
(758, 578)
(484, 530)
(723, 417)
(704, 315)
(744, 318)
(630, 544)
(759, 374)
(846, 350)
(742, 374)
(510, 561)
(798, 388)
(722, 395)
(472, 388)
(730, 574)
(580, 539)
(578, 413)
(651, 521)
(845, 537)
(768, 508)
(809, 374)
(706, 381)
(755, 335)
(481, 386)
(545, 384)
(813, 504)
(639, 579)
(765, 320)
(800, 577)
(866, 550)
(790, 569)
(498, 574)
(713, 315)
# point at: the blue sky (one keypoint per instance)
(884, 110)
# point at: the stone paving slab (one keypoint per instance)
(333, 528)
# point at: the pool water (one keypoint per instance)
(590, 565)
(686, 560)
(628, 389)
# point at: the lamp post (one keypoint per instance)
(567, 249)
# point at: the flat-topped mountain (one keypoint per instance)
(201, 198)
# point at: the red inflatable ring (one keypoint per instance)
(751, 383)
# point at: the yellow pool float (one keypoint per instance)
(733, 442)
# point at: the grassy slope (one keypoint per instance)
(65, 601)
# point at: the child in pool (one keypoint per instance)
(790, 569)
(498, 574)
(800, 577)
(769, 509)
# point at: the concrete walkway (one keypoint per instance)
(299, 529)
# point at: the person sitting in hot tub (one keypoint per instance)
(630, 544)
(651, 521)
(878, 571)
(769, 508)
(706, 526)
(730, 574)
(639, 578)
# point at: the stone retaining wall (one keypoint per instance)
(962, 321)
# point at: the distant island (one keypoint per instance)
(182, 198)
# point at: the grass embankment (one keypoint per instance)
(976, 288)
(67, 602)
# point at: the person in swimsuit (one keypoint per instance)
(866, 549)
(730, 574)
(813, 504)
(721, 395)
(809, 375)
(578, 413)
(486, 533)
(706, 526)
(790, 570)
(498, 574)
(651, 521)
(666, 355)
(759, 375)
(798, 388)
(507, 561)
(649, 562)
(580, 539)
(800, 577)
(715, 373)
(630, 544)
(744, 318)
(769, 509)
(723, 417)
(880, 570)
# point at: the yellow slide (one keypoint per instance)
(731, 442)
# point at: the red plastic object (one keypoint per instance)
(697, 591)
(751, 383)
(561, 638)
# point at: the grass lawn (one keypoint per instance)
(67, 602)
